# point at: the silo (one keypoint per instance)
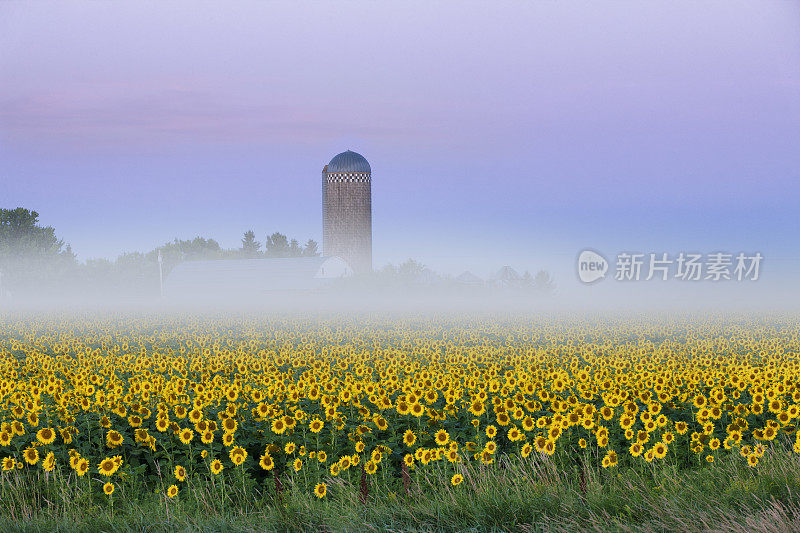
(347, 210)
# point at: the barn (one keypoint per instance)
(252, 278)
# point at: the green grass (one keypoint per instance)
(533, 494)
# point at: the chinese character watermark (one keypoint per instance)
(684, 266)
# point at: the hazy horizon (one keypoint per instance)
(498, 134)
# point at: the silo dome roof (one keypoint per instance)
(349, 162)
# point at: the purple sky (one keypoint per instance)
(498, 133)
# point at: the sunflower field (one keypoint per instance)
(352, 403)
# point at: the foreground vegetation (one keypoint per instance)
(398, 422)
(522, 494)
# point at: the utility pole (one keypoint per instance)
(160, 275)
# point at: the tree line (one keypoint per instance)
(34, 261)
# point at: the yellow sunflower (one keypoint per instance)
(31, 455)
(8, 464)
(186, 435)
(46, 435)
(81, 467)
(266, 462)
(113, 439)
(107, 467)
(237, 455)
(278, 426)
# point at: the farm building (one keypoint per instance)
(506, 277)
(347, 210)
(253, 277)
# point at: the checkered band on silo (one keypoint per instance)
(336, 177)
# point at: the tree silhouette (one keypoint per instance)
(22, 236)
(543, 282)
(30, 254)
(277, 245)
(250, 246)
(310, 249)
(294, 249)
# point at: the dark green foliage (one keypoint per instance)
(32, 258)
(533, 494)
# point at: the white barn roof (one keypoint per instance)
(252, 276)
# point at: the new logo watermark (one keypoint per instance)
(592, 266)
(684, 266)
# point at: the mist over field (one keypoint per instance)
(38, 271)
(401, 266)
(502, 135)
